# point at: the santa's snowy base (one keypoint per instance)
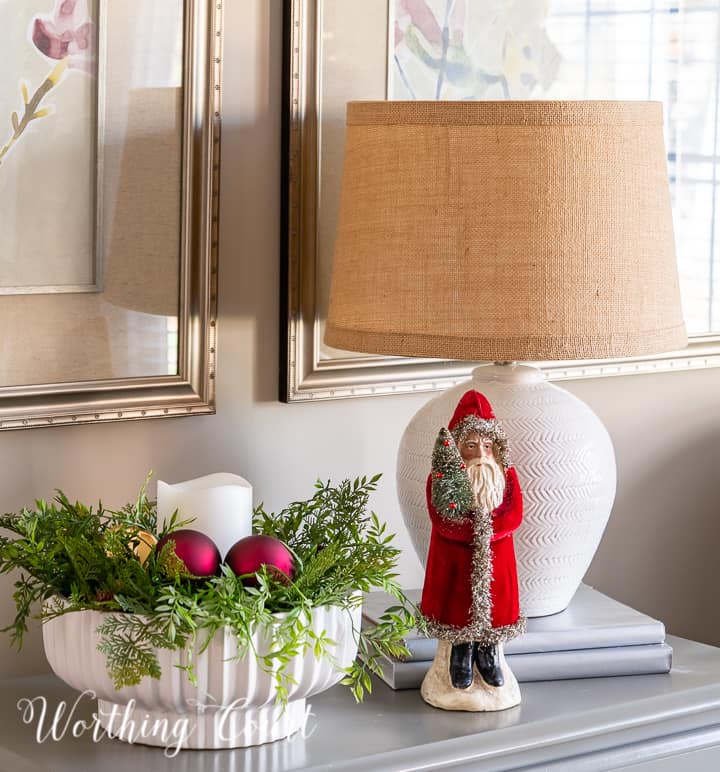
(437, 689)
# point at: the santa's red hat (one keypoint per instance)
(472, 403)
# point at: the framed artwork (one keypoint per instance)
(459, 49)
(49, 149)
(109, 145)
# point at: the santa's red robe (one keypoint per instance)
(471, 589)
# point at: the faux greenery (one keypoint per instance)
(85, 558)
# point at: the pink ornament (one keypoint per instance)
(247, 555)
(197, 552)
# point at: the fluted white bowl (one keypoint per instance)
(233, 704)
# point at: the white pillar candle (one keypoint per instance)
(220, 503)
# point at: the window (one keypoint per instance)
(667, 51)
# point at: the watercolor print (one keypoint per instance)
(466, 49)
(48, 145)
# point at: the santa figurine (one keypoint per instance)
(470, 596)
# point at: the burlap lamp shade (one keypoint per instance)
(552, 217)
(504, 231)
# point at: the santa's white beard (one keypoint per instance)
(488, 482)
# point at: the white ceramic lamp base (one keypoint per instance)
(566, 467)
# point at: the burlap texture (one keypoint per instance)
(504, 231)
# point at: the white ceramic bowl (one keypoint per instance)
(233, 704)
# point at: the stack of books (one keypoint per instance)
(595, 636)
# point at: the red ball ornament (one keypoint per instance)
(446, 443)
(452, 505)
(197, 553)
(247, 555)
(462, 466)
(439, 475)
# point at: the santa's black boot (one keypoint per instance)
(487, 661)
(461, 674)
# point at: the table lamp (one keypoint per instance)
(510, 232)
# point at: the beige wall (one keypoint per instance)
(660, 549)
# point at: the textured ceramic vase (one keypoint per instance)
(566, 467)
(233, 704)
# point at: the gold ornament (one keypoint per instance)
(143, 543)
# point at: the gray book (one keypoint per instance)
(552, 665)
(591, 621)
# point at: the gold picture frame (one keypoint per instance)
(189, 388)
(329, 61)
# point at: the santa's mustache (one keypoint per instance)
(479, 461)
